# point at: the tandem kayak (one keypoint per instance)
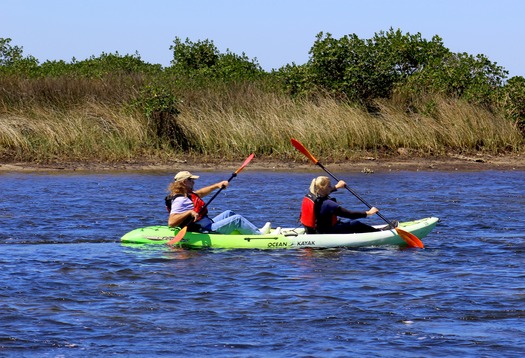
(286, 238)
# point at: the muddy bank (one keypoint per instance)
(363, 164)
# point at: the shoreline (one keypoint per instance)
(366, 165)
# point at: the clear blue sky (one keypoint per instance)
(276, 33)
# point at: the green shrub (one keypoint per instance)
(203, 59)
(392, 63)
(513, 101)
(161, 108)
(363, 70)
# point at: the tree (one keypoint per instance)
(13, 61)
(514, 101)
(190, 55)
(9, 54)
(363, 70)
(203, 58)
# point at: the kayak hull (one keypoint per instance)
(291, 238)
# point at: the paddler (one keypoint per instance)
(320, 213)
(185, 206)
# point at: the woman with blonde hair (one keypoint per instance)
(320, 213)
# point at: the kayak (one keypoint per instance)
(286, 238)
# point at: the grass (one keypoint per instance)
(93, 132)
(91, 121)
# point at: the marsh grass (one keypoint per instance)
(93, 132)
(92, 121)
(338, 131)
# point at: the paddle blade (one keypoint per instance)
(303, 150)
(245, 163)
(179, 236)
(411, 239)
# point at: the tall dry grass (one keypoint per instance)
(232, 122)
(266, 123)
(92, 132)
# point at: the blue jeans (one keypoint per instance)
(228, 222)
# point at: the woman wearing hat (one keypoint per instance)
(186, 208)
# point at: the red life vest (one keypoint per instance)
(308, 211)
(198, 204)
(310, 208)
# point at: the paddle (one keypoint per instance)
(411, 239)
(182, 232)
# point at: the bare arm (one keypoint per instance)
(207, 190)
(180, 218)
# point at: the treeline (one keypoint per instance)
(213, 103)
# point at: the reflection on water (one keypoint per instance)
(70, 288)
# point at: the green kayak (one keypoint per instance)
(286, 238)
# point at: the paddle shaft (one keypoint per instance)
(234, 174)
(217, 193)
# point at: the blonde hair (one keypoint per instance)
(321, 182)
(177, 187)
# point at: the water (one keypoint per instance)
(69, 288)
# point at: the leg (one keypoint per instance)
(235, 223)
(225, 214)
(352, 227)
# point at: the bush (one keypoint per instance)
(513, 101)
(461, 76)
(203, 59)
(362, 71)
(161, 108)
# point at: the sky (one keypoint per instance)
(274, 32)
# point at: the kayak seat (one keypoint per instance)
(392, 225)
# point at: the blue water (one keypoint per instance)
(69, 288)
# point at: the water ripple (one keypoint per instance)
(70, 289)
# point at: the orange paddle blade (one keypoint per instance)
(303, 150)
(179, 236)
(411, 239)
(245, 163)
